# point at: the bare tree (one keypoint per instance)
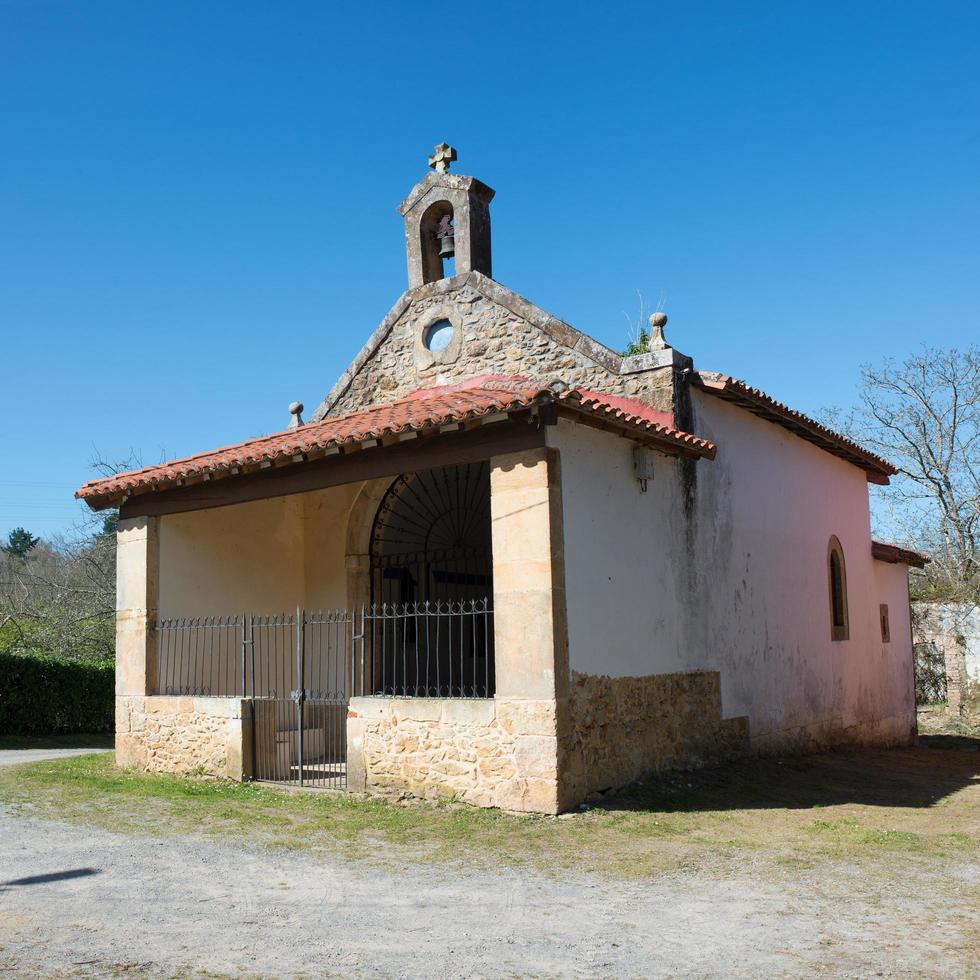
(60, 595)
(923, 415)
(60, 598)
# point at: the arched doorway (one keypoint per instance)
(432, 584)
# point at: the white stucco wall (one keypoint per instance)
(738, 583)
(266, 556)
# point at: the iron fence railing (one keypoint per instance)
(420, 649)
(201, 655)
(299, 671)
(441, 649)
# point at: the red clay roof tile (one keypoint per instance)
(765, 406)
(896, 555)
(424, 409)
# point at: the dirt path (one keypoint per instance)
(81, 901)
(14, 757)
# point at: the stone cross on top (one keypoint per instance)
(444, 155)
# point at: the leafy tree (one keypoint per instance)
(19, 542)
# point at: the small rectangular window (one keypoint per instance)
(886, 634)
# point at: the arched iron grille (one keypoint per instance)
(432, 583)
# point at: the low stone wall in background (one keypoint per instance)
(622, 728)
(210, 736)
(952, 631)
(499, 753)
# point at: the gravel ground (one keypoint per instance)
(14, 757)
(81, 901)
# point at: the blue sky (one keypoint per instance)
(197, 201)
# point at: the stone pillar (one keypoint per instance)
(137, 595)
(137, 599)
(530, 628)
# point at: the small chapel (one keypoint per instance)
(502, 563)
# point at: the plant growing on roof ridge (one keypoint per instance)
(636, 331)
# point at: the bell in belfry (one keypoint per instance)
(446, 236)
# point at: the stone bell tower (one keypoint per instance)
(447, 216)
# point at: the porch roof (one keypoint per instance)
(877, 469)
(480, 400)
(896, 555)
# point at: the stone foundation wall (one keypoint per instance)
(622, 728)
(211, 736)
(500, 753)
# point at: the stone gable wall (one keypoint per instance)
(497, 333)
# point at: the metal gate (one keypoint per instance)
(299, 683)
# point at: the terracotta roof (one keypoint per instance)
(765, 406)
(426, 410)
(896, 555)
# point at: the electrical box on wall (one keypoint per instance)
(643, 465)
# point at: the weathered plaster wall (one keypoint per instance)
(210, 736)
(266, 556)
(725, 570)
(497, 332)
(325, 535)
(486, 752)
(223, 560)
(889, 667)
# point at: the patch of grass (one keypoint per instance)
(849, 831)
(873, 806)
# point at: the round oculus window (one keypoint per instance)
(437, 336)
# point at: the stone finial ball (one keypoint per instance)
(658, 319)
(295, 408)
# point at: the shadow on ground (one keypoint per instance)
(48, 878)
(919, 776)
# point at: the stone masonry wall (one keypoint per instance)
(953, 630)
(485, 752)
(620, 729)
(182, 735)
(498, 332)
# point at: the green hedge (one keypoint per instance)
(45, 695)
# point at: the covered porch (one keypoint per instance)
(387, 619)
(374, 602)
(380, 588)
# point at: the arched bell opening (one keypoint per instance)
(432, 585)
(437, 241)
